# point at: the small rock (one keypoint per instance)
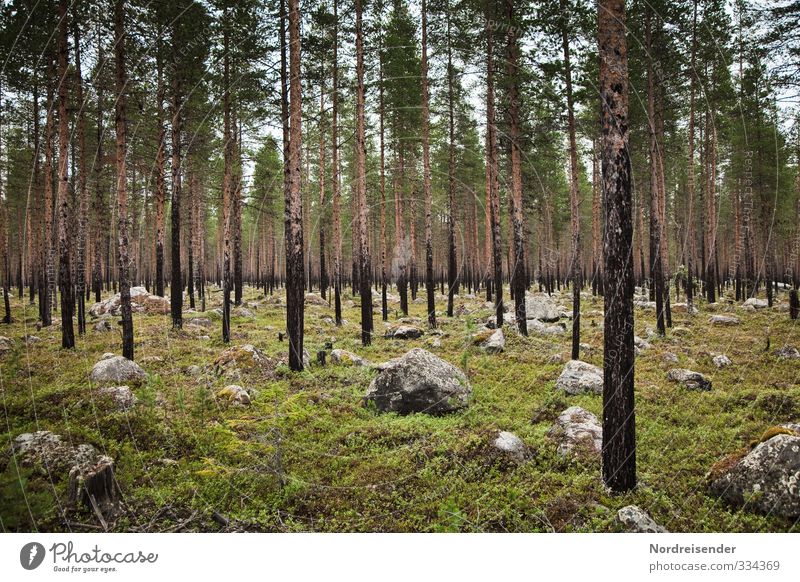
(536, 326)
(121, 396)
(243, 312)
(637, 520)
(492, 342)
(721, 361)
(579, 377)
(345, 358)
(404, 332)
(556, 359)
(194, 370)
(723, 320)
(511, 446)
(312, 299)
(200, 322)
(787, 353)
(641, 343)
(670, 357)
(689, 379)
(117, 370)
(102, 326)
(756, 303)
(235, 394)
(577, 432)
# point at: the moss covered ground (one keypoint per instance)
(306, 455)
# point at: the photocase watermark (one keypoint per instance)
(66, 558)
(31, 555)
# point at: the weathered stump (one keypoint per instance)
(94, 486)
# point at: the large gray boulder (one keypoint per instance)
(767, 479)
(117, 370)
(689, 379)
(542, 308)
(577, 432)
(419, 382)
(579, 377)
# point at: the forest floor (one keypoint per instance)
(306, 455)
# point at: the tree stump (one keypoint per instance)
(94, 486)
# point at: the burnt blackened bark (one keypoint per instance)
(619, 437)
(122, 188)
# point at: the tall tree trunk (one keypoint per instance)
(323, 272)
(337, 199)
(430, 288)
(381, 106)
(689, 246)
(236, 209)
(452, 267)
(62, 200)
(176, 282)
(711, 209)
(655, 211)
(83, 192)
(49, 278)
(97, 200)
(227, 187)
(122, 187)
(365, 265)
(597, 236)
(492, 181)
(619, 435)
(294, 202)
(573, 191)
(159, 171)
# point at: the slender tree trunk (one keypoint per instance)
(62, 200)
(597, 235)
(574, 194)
(83, 192)
(227, 188)
(430, 288)
(381, 105)
(690, 184)
(619, 436)
(176, 282)
(122, 187)
(655, 212)
(323, 273)
(452, 267)
(97, 201)
(295, 277)
(236, 218)
(337, 202)
(365, 264)
(159, 171)
(493, 185)
(49, 278)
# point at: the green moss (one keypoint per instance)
(306, 455)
